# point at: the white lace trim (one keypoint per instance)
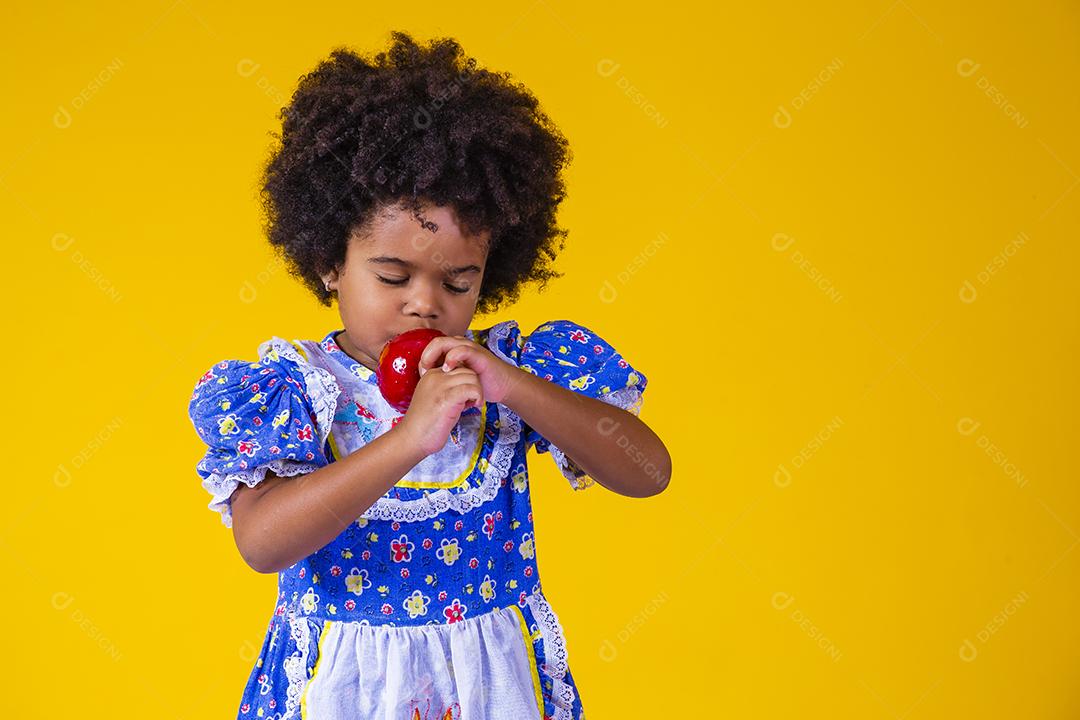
(322, 389)
(295, 666)
(441, 500)
(222, 485)
(555, 655)
(438, 502)
(320, 384)
(497, 333)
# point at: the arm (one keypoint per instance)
(283, 520)
(612, 445)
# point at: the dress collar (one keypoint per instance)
(355, 368)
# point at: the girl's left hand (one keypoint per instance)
(452, 351)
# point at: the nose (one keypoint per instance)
(422, 302)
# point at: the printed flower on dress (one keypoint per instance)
(401, 549)
(416, 604)
(309, 601)
(487, 589)
(520, 478)
(489, 525)
(582, 382)
(449, 551)
(357, 580)
(229, 425)
(527, 547)
(455, 611)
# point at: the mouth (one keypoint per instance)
(418, 327)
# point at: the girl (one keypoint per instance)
(415, 190)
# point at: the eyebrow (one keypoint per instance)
(387, 260)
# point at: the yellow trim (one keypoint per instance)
(465, 473)
(418, 484)
(532, 659)
(315, 669)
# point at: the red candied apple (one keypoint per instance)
(399, 366)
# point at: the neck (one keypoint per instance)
(355, 353)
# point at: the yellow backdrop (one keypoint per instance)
(836, 240)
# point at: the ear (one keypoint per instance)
(330, 279)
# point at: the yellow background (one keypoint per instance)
(840, 243)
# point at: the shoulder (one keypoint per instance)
(281, 373)
(274, 364)
(548, 339)
(503, 339)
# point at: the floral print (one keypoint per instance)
(429, 553)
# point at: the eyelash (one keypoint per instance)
(452, 288)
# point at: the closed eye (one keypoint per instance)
(452, 288)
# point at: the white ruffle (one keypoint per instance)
(321, 385)
(295, 666)
(222, 486)
(555, 655)
(439, 501)
(478, 667)
(496, 334)
(322, 388)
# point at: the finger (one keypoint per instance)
(430, 355)
(469, 394)
(433, 352)
(457, 355)
(463, 370)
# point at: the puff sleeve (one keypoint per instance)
(258, 416)
(576, 358)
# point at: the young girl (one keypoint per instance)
(415, 189)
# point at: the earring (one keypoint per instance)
(327, 286)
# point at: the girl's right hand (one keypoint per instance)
(437, 403)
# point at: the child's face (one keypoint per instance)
(402, 276)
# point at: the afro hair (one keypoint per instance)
(415, 125)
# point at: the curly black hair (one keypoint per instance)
(413, 125)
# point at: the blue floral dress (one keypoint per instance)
(428, 605)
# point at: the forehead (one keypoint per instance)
(434, 237)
